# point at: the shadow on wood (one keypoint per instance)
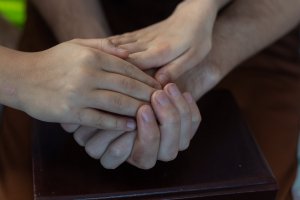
(223, 162)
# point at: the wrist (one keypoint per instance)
(201, 78)
(11, 76)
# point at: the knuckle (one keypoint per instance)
(185, 112)
(118, 124)
(128, 70)
(71, 92)
(169, 156)
(117, 101)
(174, 118)
(87, 55)
(127, 84)
(91, 151)
(116, 152)
(78, 138)
(163, 48)
(99, 121)
(197, 117)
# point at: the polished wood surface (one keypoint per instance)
(223, 162)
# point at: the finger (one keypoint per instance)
(96, 145)
(113, 102)
(123, 39)
(103, 45)
(155, 56)
(119, 66)
(118, 151)
(169, 120)
(185, 114)
(133, 47)
(124, 85)
(196, 117)
(171, 71)
(70, 127)
(101, 120)
(145, 59)
(145, 150)
(83, 134)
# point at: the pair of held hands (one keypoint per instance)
(166, 119)
(117, 111)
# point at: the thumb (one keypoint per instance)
(104, 45)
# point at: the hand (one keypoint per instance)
(178, 119)
(178, 43)
(76, 82)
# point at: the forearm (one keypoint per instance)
(249, 26)
(73, 18)
(11, 63)
(243, 29)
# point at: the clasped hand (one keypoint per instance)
(168, 122)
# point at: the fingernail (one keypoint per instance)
(173, 90)
(162, 79)
(188, 97)
(131, 124)
(147, 114)
(162, 98)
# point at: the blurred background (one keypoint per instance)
(12, 20)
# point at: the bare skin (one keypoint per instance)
(241, 22)
(238, 25)
(85, 87)
(174, 45)
(163, 130)
(185, 128)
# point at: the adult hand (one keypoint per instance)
(162, 130)
(178, 43)
(76, 82)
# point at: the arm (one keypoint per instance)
(73, 18)
(176, 44)
(86, 88)
(243, 29)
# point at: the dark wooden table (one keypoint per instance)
(223, 162)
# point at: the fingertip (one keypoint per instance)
(162, 78)
(160, 98)
(130, 124)
(146, 114)
(70, 128)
